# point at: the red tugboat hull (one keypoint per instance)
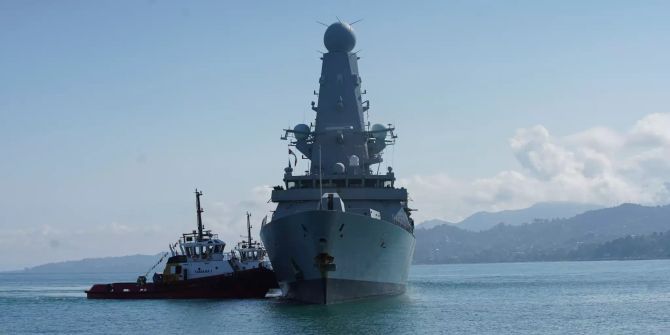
(253, 283)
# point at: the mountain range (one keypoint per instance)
(541, 240)
(543, 210)
(129, 264)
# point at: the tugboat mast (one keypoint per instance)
(199, 211)
(249, 229)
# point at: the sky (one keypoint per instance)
(113, 112)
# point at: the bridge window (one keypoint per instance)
(218, 249)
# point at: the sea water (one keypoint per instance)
(617, 297)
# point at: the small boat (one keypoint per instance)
(200, 268)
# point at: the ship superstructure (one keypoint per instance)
(201, 254)
(341, 231)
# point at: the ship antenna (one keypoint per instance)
(199, 210)
(249, 229)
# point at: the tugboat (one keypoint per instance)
(200, 268)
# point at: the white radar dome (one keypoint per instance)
(301, 131)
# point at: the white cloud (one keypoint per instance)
(539, 154)
(598, 166)
(652, 130)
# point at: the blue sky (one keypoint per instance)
(111, 112)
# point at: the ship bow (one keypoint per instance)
(327, 257)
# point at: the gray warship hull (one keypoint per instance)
(326, 257)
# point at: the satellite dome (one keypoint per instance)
(378, 131)
(339, 37)
(301, 131)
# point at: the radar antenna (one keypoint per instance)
(249, 229)
(199, 211)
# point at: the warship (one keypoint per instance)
(342, 231)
